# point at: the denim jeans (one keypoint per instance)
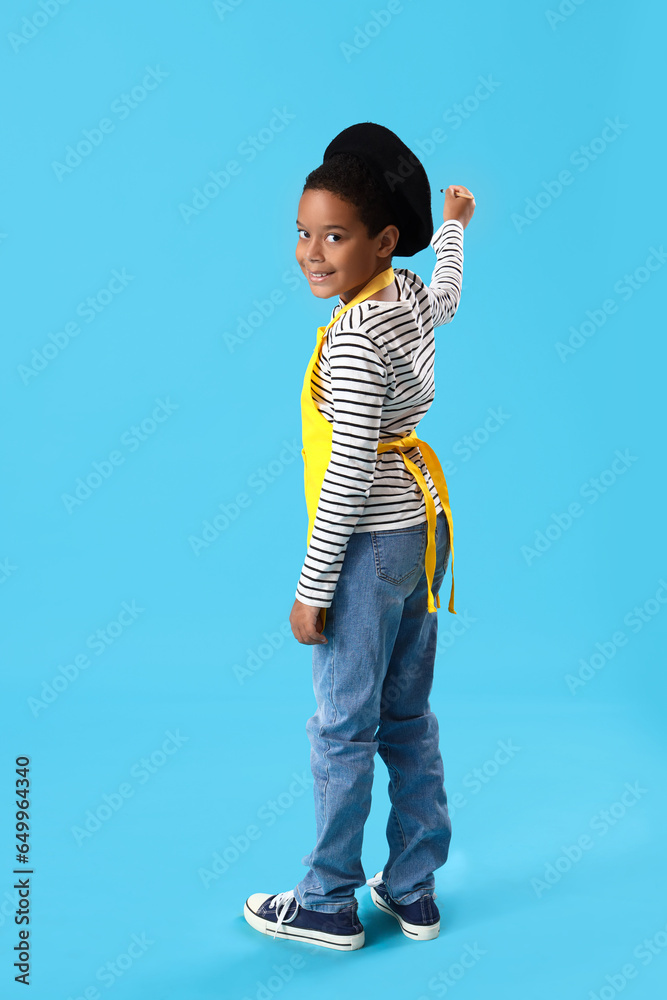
(372, 682)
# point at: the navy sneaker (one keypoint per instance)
(283, 916)
(419, 920)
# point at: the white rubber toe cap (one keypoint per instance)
(255, 901)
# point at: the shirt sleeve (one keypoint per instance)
(444, 292)
(359, 377)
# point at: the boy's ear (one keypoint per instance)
(393, 232)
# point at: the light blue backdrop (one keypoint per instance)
(156, 330)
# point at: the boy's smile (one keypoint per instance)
(334, 242)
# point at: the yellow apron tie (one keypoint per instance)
(317, 434)
(438, 477)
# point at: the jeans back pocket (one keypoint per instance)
(399, 552)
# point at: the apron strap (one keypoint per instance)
(380, 281)
(438, 477)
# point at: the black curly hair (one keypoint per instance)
(349, 178)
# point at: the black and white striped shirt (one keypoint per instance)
(375, 382)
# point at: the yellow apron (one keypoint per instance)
(317, 435)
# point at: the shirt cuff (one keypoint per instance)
(312, 604)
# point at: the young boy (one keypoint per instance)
(379, 536)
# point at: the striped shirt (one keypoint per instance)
(374, 382)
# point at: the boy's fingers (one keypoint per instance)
(307, 626)
(458, 190)
(313, 637)
(307, 636)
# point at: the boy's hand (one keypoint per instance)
(306, 624)
(457, 205)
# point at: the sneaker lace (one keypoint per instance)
(282, 902)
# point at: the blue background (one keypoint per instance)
(195, 703)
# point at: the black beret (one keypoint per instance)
(401, 177)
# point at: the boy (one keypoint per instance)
(379, 536)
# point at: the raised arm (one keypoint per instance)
(445, 290)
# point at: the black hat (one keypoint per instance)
(400, 175)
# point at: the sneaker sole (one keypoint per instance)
(416, 932)
(339, 942)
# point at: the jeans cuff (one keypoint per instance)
(325, 907)
(412, 897)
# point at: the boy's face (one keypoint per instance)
(332, 238)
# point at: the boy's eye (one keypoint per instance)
(336, 235)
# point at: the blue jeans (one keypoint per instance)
(372, 682)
